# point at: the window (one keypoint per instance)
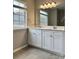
(43, 18)
(19, 14)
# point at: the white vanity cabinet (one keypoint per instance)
(34, 37)
(59, 41)
(53, 41)
(47, 39)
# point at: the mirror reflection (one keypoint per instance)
(51, 14)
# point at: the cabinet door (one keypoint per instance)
(35, 37)
(59, 42)
(38, 38)
(47, 40)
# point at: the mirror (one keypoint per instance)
(51, 16)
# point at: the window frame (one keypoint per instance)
(19, 25)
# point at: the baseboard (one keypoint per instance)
(20, 48)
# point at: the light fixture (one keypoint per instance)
(48, 5)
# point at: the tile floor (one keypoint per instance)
(33, 53)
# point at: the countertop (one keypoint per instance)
(56, 28)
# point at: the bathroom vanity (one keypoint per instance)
(48, 38)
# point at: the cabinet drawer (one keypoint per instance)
(36, 32)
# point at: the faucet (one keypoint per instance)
(55, 27)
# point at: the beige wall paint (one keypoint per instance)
(19, 38)
(30, 12)
(37, 5)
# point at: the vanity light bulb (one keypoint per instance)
(48, 5)
(53, 4)
(45, 5)
(41, 6)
